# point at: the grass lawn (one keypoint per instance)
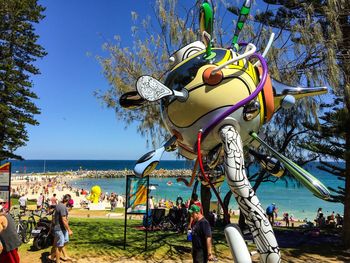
(14, 201)
(96, 237)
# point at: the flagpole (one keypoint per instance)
(9, 208)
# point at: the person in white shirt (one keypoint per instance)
(40, 201)
(23, 202)
(150, 203)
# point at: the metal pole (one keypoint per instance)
(125, 212)
(9, 188)
(218, 211)
(147, 214)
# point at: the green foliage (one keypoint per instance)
(320, 30)
(154, 39)
(328, 140)
(316, 31)
(18, 51)
(285, 131)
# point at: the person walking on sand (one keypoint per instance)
(201, 237)
(53, 201)
(61, 230)
(40, 201)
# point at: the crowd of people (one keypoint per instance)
(45, 191)
(10, 241)
(332, 220)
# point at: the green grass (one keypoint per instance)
(109, 235)
(105, 237)
(14, 201)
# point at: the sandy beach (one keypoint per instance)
(56, 184)
(59, 184)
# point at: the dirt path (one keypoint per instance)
(287, 256)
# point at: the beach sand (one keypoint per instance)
(56, 185)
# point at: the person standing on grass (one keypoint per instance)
(286, 219)
(40, 201)
(23, 202)
(150, 203)
(271, 212)
(201, 237)
(194, 201)
(9, 239)
(61, 230)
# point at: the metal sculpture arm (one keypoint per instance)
(248, 202)
(243, 14)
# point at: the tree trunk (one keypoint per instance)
(346, 227)
(345, 62)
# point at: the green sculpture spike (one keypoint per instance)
(307, 179)
(206, 24)
(243, 14)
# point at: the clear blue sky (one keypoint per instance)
(73, 123)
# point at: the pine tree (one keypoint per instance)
(327, 141)
(18, 51)
(320, 30)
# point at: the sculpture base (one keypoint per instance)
(98, 206)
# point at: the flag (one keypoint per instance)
(5, 174)
(137, 194)
(5, 171)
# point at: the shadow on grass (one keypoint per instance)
(105, 237)
(325, 251)
(298, 242)
(44, 258)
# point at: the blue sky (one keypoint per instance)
(73, 123)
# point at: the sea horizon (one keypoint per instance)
(60, 165)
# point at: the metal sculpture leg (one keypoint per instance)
(248, 202)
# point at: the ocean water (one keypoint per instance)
(293, 199)
(39, 166)
(289, 197)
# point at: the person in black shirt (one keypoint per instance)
(201, 236)
(9, 240)
(61, 230)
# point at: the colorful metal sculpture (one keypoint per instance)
(214, 101)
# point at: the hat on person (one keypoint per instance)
(194, 209)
